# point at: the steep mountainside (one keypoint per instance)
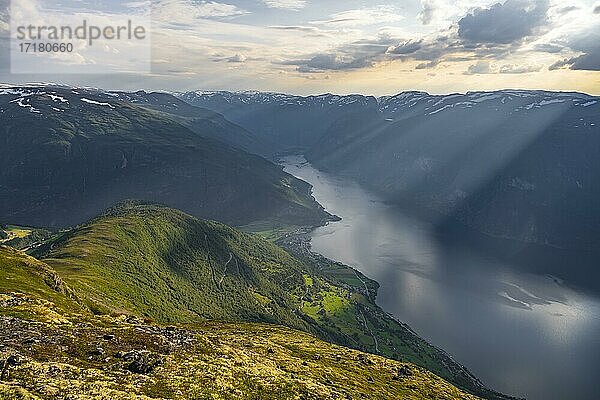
(66, 154)
(200, 120)
(512, 164)
(158, 263)
(52, 348)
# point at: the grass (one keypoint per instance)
(23, 274)
(200, 361)
(18, 231)
(270, 230)
(23, 237)
(166, 266)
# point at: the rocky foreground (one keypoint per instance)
(49, 355)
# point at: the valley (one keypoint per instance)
(472, 218)
(513, 164)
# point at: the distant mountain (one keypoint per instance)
(512, 164)
(283, 123)
(159, 263)
(68, 153)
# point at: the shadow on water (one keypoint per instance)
(515, 320)
(578, 269)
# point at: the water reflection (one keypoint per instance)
(521, 333)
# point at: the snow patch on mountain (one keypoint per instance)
(21, 103)
(96, 102)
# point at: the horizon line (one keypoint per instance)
(248, 91)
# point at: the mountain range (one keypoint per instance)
(67, 153)
(512, 164)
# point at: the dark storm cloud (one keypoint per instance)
(590, 61)
(481, 67)
(355, 55)
(505, 23)
(587, 62)
(589, 46)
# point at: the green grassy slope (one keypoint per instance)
(21, 274)
(162, 264)
(166, 265)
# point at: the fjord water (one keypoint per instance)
(522, 334)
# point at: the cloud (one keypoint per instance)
(238, 58)
(481, 67)
(482, 37)
(186, 12)
(486, 67)
(137, 4)
(286, 4)
(589, 61)
(597, 10)
(587, 44)
(427, 13)
(560, 64)
(307, 29)
(431, 50)
(366, 53)
(519, 69)
(406, 47)
(505, 23)
(549, 47)
(358, 54)
(363, 17)
(567, 9)
(428, 65)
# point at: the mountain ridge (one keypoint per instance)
(85, 150)
(158, 263)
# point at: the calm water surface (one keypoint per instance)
(521, 334)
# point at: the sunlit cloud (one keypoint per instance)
(188, 11)
(364, 16)
(286, 4)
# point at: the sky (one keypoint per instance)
(318, 46)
